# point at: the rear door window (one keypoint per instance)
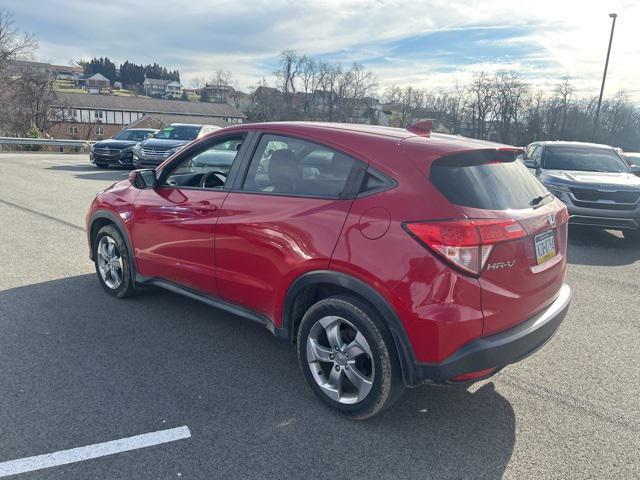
(292, 166)
(478, 180)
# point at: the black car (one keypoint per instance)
(119, 149)
(155, 150)
(598, 187)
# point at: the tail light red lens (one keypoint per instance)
(465, 243)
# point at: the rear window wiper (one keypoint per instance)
(538, 200)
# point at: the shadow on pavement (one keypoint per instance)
(91, 172)
(598, 247)
(81, 367)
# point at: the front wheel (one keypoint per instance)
(348, 358)
(111, 258)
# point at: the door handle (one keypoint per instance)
(204, 207)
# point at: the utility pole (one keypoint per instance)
(604, 76)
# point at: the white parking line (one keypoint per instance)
(73, 455)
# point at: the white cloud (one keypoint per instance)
(568, 37)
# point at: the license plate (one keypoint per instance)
(545, 246)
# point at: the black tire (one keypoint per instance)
(386, 384)
(102, 165)
(126, 286)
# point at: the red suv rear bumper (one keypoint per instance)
(497, 351)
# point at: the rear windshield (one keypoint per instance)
(586, 159)
(498, 185)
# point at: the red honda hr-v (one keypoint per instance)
(389, 257)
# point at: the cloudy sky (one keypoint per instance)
(428, 43)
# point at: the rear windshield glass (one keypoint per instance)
(489, 186)
(582, 159)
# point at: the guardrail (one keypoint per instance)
(51, 142)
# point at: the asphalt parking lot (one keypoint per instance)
(79, 368)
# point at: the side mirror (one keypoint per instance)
(144, 178)
(635, 169)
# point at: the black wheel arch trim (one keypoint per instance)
(113, 218)
(366, 291)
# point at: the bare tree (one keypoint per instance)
(13, 43)
(564, 92)
(455, 107)
(481, 105)
(509, 96)
(497, 106)
(25, 92)
(311, 78)
(287, 76)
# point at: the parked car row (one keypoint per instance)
(143, 147)
(119, 149)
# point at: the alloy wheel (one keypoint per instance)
(340, 360)
(110, 262)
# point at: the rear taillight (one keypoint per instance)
(466, 243)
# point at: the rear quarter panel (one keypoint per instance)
(439, 308)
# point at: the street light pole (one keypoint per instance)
(604, 76)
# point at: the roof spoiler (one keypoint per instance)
(477, 157)
(422, 129)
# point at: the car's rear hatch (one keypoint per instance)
(523, 230)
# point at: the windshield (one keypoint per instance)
(133, 135)
(633, 158)
(585, 159)
(178, 133)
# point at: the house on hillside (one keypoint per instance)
(369, 111)
(94, 117)
(228, 94)
(157, 87)
(29, 66)
(68, 72)
(96, 82)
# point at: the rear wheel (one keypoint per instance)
(111, 259)
(348, 357)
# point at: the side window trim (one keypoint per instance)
(387, 182)
(352, 185)
(196, 150)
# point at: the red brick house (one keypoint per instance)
(95, 117)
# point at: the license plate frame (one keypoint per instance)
(545, 246)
